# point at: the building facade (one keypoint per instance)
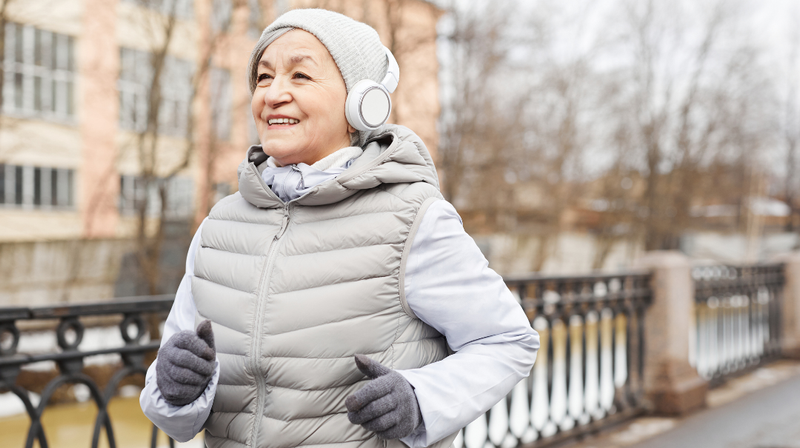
(112, 107)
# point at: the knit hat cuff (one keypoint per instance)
(355, 47)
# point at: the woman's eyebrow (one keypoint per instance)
(294, 60)
(298, 58)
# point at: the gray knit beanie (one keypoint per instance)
(355, 47)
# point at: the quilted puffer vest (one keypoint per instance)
(295, 289)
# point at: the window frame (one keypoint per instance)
(133, 85)
(21, 183)
(183, 10)
(180, 196)
(39, 77)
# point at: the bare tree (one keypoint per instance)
(641, 128)
(516, 125)
(155, 170)
(472, 56)
(791, 125)
(691, 105)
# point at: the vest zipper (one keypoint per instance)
(255, 351)
(284, 224)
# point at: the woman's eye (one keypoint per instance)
(299, 75)
(263, 76)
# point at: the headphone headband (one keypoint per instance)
(392, 77)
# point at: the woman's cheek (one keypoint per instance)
(257, 103)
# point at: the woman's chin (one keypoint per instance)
(280, 149)
(287, 156)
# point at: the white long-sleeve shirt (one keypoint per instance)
(448, 285)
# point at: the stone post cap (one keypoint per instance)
(787, 257)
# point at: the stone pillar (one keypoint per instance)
(671, 385)
(790, 311)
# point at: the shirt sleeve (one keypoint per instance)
(449, 286)
(181, 423)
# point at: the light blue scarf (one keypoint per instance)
(292, 181)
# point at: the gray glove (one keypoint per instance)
(185, 364)
(387, 405)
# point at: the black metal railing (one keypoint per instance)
(737, 318)
(589, 369)
(132, 315)
(588, 373)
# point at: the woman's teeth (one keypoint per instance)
(272, 121)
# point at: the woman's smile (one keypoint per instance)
(276, 122)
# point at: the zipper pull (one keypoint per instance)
(302, 183)
(284, 223)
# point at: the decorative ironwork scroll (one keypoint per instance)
(69, 358)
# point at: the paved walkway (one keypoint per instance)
(759, 410)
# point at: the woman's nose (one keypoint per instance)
(277, 94)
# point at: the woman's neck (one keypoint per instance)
(333, 160)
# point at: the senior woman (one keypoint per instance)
(321, 301)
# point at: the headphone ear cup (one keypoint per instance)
(368, 105)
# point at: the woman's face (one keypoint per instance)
(298, 103)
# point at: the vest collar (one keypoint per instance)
(393, 155)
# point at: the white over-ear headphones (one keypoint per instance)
(368, 104)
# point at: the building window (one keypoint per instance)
(39, 73)
(255, 21)
(135, 84)
(37, 187)
(221, 190)
(135, 194)
(221, 13)
(183, 9)
(220, 81)
(176, 96)
(134, 78)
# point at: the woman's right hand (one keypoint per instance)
(185, 364)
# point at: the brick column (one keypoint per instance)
(790, 312)
(98, 67)
(671, 385)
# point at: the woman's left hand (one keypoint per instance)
(387, 405)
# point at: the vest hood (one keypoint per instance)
(394, 154)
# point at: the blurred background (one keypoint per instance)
(572, 137)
